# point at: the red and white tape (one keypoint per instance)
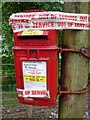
(49, 20)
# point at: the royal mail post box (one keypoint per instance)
(36, 61)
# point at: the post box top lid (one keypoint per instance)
(33, 33)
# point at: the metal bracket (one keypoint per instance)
(74, 51)
(73, 92)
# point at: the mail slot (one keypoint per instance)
(35, 37)
(36, 62)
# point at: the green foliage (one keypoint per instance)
(7, 54)
(10, 99)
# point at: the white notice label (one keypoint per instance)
(35, 77)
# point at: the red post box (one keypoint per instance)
(36, 62)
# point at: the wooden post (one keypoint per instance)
(74, 68)
(29, 111)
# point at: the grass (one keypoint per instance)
(11, 102)
(9, 98)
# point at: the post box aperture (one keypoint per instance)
(35, 37)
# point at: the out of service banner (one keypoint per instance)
(49, 20)
(33, 93)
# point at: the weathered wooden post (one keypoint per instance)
(29, 111)
(74, 71)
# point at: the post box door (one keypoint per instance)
(37, 78)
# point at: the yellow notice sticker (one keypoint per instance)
(29, 78)
(32, 32)
(40, 79)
